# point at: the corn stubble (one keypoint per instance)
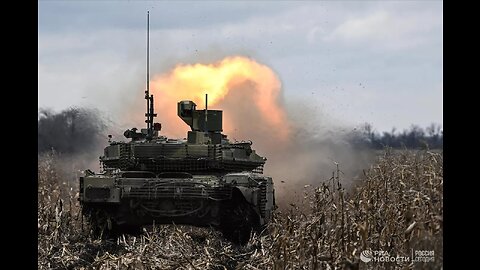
(397, 207)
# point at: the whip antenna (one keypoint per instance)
(150, 114)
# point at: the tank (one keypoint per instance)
(203, 180)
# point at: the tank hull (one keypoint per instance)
(234, 203)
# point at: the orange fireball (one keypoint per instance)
(246, 90)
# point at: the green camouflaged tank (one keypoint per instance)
(204, 180)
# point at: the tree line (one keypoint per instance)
(415, 137)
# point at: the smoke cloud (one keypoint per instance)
(302, 147)
(74, 130)
(77, 135)
(311, 157)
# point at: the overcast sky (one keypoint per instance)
(354, 61)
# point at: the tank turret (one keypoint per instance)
(206, 149)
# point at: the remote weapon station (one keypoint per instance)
(203, 180)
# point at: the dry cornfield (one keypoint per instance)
(396, 207)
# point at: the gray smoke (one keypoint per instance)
(76, 136)
(317, 144)
(310, 160)
(71, 131)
